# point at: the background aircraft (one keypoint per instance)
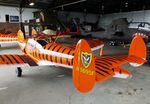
(8, 39)
(87, 68)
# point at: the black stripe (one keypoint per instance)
(69, 51)
(102, 63)
(21, 58)
(113, 69)
(73, 54)
(61, 60)
(51, 58)
(2, 58)
(64, 50)
(39, 56)
(116, 58)
(15, 59)
(102, 66)
(105, 61)
(110, 60)
(43, 56)
(58, 49)
(103, 70)
(56, 59)
(67, 61)
(49, 46)
(120, 71)
(46, 56)
(54, 48)
(72, 61)
(100, 73)
(9, 59)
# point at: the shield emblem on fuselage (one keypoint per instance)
(86, 59)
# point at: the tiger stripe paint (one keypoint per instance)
(11, 59)
(7, 38)
(77, 57)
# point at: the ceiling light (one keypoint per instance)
(126, 4)
(31, 4)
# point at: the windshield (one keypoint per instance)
(42, 42)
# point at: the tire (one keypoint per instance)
(19, 72)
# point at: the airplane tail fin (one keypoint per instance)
(21, 41)
(20, 36)
(101, 52)
(137, 49)
(33, 33)
(83, 67)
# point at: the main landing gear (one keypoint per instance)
(19, 72)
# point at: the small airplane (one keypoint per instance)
(87, 68)
(13, 38)
(8, 39)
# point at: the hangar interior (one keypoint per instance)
(74, 51)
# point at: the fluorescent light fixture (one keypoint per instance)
(31, 4)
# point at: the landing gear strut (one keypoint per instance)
(19, 72)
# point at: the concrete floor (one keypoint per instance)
(53, 85)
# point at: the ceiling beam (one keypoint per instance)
(67, 4)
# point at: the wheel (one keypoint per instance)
(19, 72)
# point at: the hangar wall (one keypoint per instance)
(27, 14)
(136, 16)
(105, 20)
(13, 11)
(66, 16)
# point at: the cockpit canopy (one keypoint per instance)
(42, 42)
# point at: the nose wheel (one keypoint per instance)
(19, 72)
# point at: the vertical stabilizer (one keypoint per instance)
(83, 67)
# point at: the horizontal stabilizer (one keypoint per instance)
(121, 73)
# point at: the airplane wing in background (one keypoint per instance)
(95, 44)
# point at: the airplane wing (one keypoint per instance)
(16, 60)
(8, 38)
(109, 66)
(95, 44)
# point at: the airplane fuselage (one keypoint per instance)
(50, 54)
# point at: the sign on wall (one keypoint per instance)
(13, 19)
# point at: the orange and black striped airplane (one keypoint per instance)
(8, 38)
(87, 68)
(13, 38)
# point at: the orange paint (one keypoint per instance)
(138, 47)
(83, 69)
